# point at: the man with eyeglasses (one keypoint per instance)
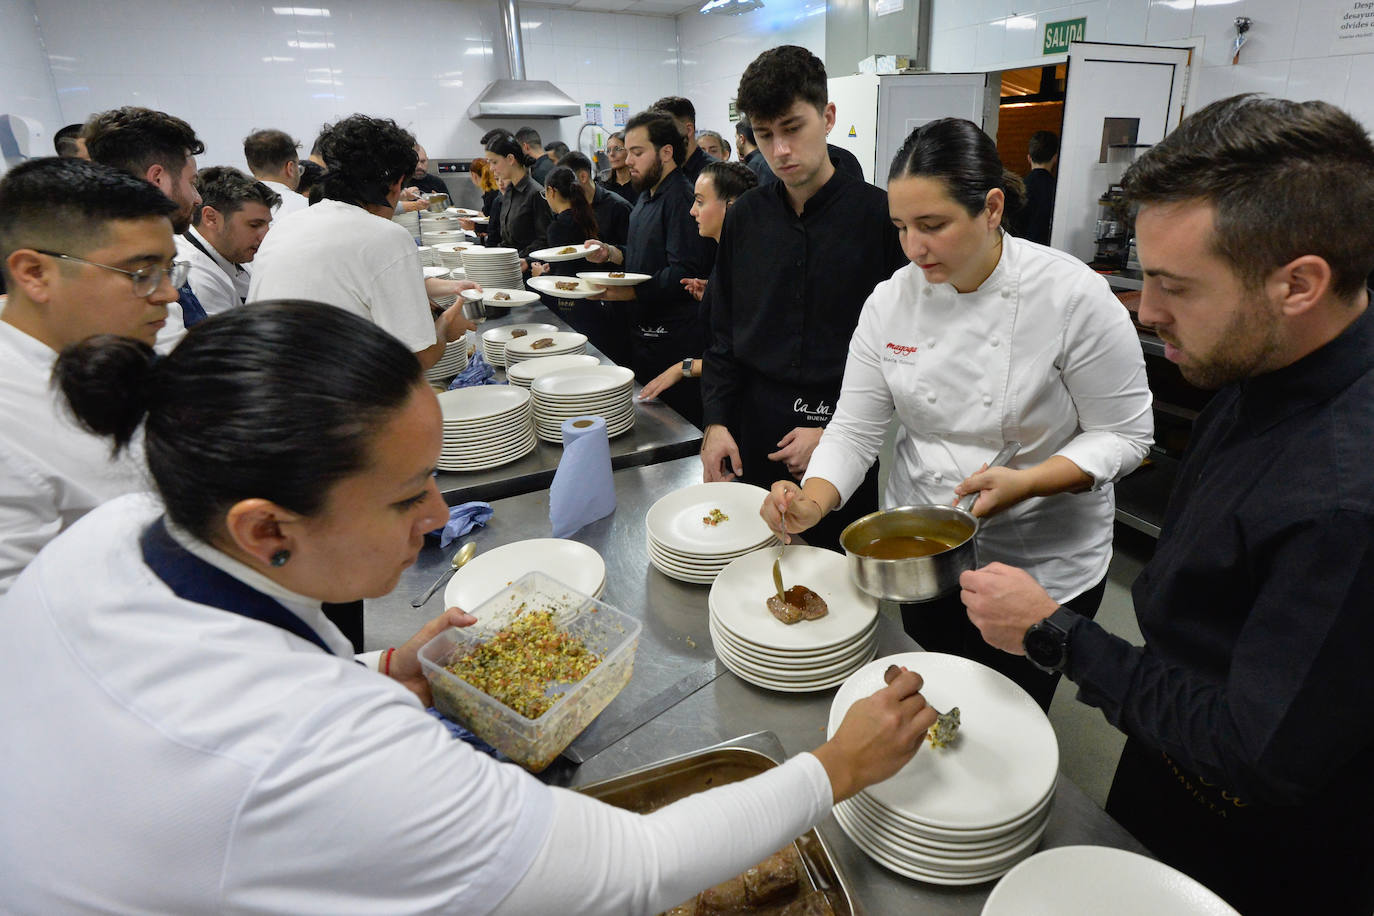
(85, 249)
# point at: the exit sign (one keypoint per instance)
(1059, 34)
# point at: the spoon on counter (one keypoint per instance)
(465, 553)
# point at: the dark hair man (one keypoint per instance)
(529, 141)
(685, 118)
(1033, 222)
(556, 151)
(272, 157)
(749, 150)
(69, 143)
(421, 179)
(226, 232)
(1247, 711)
(85, 249)
(161, 149)
(781, 316)
(612, 212)
(664, 243)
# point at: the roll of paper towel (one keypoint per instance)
(582, 490)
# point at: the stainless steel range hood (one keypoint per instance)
(518, 97)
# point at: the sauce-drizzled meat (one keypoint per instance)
(801, 604)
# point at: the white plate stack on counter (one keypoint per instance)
(485, 427)
(968, 812)
(489, 573)
(494, 268)
(454, 361)
(524, 374)
(603, 391)
(798, 657)
(451, 254)
(494, 340)
(560, 343)
(429, 256)
(685, 545)
(409, 221)
(440, 227)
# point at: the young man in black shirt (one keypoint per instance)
(749, 151)
(684, 115)
(421, 179)
(1250, 739)
(1033, 222)
(797, 260)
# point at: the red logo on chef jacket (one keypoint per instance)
(899, 353)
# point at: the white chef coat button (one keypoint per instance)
(1006, 293)
(931, 397)
(995, 341)
(930, 344)
(987, 400)
(939, 476)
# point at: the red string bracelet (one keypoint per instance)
(386, 662)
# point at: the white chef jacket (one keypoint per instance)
(165, 756)
(218, 283)
(342, 255)
(291, 201)
(1041, 353)
(52, 471)
(171, 333)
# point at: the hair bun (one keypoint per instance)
(106, 383)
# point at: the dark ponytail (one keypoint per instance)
(275, 400)
(730, 179)
(564, 181)
(505, 145)
(960, 154)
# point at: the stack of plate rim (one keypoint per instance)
(451, 253)
(454, 361)
(495, 268)
(792, 658)
(524, 373)
(486, 575)
(579, 391)
(683, 547)
(429, 256)
(409, 221)
(494, 340)
(441, 236)
(969, 812)
(564, 342)
(485, 427)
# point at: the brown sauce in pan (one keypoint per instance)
(901, 547)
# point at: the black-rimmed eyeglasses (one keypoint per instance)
(145, 280)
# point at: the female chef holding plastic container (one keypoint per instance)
(186, 732)
(982, 340)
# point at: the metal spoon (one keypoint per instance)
(465, 553)
(777, 561)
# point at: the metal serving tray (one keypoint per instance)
(656, 785)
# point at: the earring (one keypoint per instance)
(280, 557)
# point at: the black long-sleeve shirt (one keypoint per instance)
(664, 243)
(626, 190)
(787, 289)
(525, 216)
(612, 217)
(1258, 605)
(693, 164)
(1033, 222)
(430, 184)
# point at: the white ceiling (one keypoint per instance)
(643, 7)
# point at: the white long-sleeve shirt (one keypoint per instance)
(52, 471)
(162, 755)
(1041, 353)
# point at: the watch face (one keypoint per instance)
(1043, 646)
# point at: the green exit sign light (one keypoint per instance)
(1059, 34)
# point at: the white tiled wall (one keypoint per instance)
(1292, 51)
(230, 66)
(716, 49)
(26, 86)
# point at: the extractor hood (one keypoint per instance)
(518, 97)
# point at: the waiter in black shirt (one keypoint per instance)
(422, 181)
(797, 260)
(665, 244)
(1033, 222)
(685, 117)
(1248, 710)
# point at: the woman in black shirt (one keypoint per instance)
(616, 179)
(525, 215)
(490, 189)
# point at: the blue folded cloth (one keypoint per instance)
(462, 734)
(478, 372)
(461, 520)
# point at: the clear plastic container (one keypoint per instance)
(534, 743)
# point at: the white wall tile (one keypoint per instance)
(1216, 22)
(991, 38)
(1169, 20)
(1319, 78)
(1024, 35)
(954, 51)
(27, 86)
(1274, 30)
(1126, 21)
(1359, 101)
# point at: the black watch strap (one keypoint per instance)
(1047, 643)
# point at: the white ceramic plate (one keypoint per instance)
(951, 842)
(571, 562)
(503, 334)
(558, 254)
(516, 296)
(766, 658)
(479, 402)
(526, 372)
(675, 519)
(1012, 848)
(787, 671)
(716, 560)
(463, 211)
(547, 285)
(523, 347)
(1003, 765)
(861, 838)
(604, 278)
(744, 674)
(583, 382)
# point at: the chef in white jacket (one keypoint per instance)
(982, 340)
(86, 249)
(186, 732)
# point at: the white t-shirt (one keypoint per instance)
(219, 284)
(342, 255)
(52, 471)
(165, 756)
(291, 201)
(1042, 353)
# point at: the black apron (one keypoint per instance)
(603, 322)
(661, 338)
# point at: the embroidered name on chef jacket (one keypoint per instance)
(901, 354)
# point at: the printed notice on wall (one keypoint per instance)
(591, 112)
(622, 113)
(1354, 27)
(883, 7)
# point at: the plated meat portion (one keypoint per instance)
(565, 284)
(542, 343)
(801, 604)
(777, 886)
(519, 332)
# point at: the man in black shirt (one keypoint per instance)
(1248, 710)
(684, 115)
(797, 260)
(1033, 222)
(749, 152)
(664, 243)
(423, 181)
(529, 141)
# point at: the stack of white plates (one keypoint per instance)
(463, 212)
(451, 253)
(574, 564)
(966, 813)
(564, 342)
(501, 298)
(524, 374)
(485, 427)
(575, 287)
(410, 222)
(792, 658)
(494, 341)
(684, 547)
(497, 268)
(441, 236)
(429, 257)
(438, 222)
(454, 361)
(603, 391)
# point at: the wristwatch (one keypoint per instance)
(687, 367)
(1047, 642)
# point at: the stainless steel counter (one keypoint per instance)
(674, 642)
(659, 434)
